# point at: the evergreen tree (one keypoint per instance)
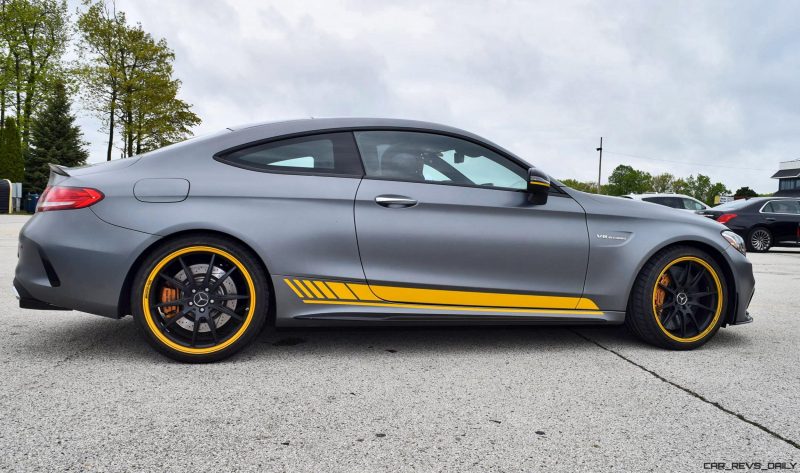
(54, 139)
(12, 166)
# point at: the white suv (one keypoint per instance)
(676, 201)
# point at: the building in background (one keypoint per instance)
(788, 177)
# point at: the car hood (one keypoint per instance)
(617, 206)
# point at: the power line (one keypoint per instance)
(688, 164)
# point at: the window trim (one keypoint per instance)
(761, 210)
(221, 156)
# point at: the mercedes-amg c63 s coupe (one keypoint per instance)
(365, 221)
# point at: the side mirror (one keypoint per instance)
(538, 186)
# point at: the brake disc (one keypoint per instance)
(227, 287)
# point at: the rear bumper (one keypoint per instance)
(73, 260)
(26, 301)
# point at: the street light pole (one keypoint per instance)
(600, 165)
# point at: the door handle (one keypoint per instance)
(770, 219)
(395, 201)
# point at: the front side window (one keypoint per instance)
(332, 153)
(426, 157)
(691, 204)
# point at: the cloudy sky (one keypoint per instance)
(682, 87)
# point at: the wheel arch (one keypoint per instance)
(719, 258)
(124, 304)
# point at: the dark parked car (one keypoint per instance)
(763, 222)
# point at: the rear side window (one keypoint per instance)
(782, 207)
(673, 202)
(332, 153)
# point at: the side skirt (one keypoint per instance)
(320, 311)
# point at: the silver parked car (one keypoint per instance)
(367, 221)
(676, 201)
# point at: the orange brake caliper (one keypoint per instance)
(169, 294)
(661, 294)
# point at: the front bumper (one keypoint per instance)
(745, 283)
(73, 260)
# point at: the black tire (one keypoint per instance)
(677, 315)
(759, 240)
(197, 328)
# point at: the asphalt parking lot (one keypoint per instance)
(80, 392)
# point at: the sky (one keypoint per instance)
(684, 87)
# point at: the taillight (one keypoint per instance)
(64, 198)
(725, 218)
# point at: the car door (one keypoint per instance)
(453, 217)
(782, 217)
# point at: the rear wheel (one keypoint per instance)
(678, 300)
(759, 240)
(200, 299)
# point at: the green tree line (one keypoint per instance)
(628, 180)
(123, 76)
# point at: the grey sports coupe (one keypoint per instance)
(365, 221)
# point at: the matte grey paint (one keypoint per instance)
(314, 226)
(161, 190)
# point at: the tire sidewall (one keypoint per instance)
(248, 260)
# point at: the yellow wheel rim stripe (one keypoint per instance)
(148, 316)
(717, 313)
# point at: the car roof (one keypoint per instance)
(303, 125)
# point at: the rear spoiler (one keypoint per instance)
(60, 170)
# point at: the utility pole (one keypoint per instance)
(600, 165)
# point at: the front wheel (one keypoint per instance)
(678, 300)
(200, 299)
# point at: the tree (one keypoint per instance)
(745, 192)
(128, 81)
(12, 166)
(54, 139)
(35, 35)
(702, 189)
(627, 180)
(587, 186)
(681, 186)
(102, 32)
(662, 183)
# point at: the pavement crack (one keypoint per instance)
(691, 393)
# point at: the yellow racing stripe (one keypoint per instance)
(324, 289)
(303, 288)
(294, 289)
(363, 292)
(452, 308)
(313, 289)
(415, 295)
(341, 290)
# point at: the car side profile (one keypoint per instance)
(323, 222)
(763, 222)
(675, 201)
